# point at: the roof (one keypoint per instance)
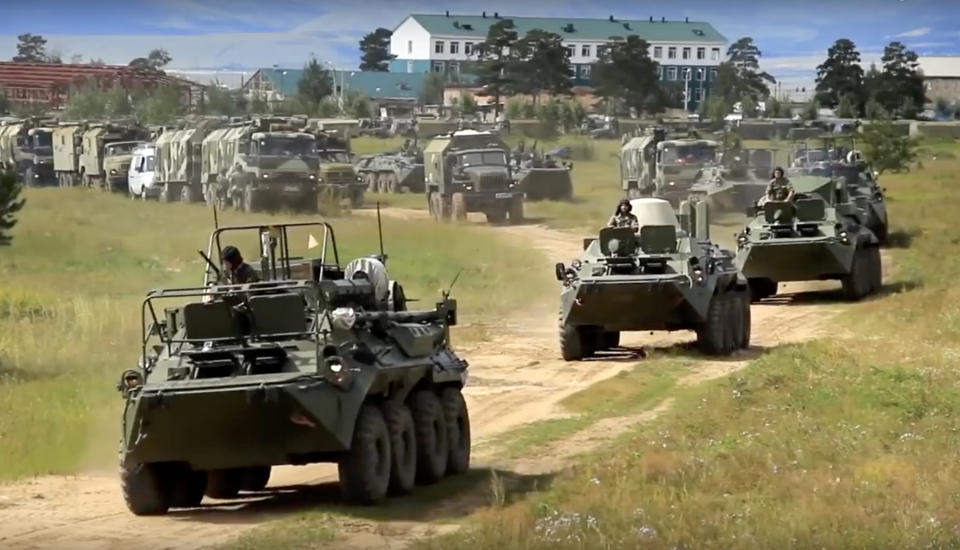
(373, 84)
(573, 28)
(946, 66)
(45, 75)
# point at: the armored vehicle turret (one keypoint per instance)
(316, 362)
(468, 171)
(664, 274)
(820, 234)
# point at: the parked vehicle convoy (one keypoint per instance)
(26, 148)
(655, 164)
(105, 154)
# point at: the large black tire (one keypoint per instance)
(734, 325)
(762, 288)
(224, 484)
(250, 202)
(356, 198)
(255, 478)
(187, 194)
(856, 282)
(497, 215)
(187, 487)
(145, 490)
(712, 334)
(309, 203)
(391, 183)
(170, 192)
(578, 341)
(432, 444)
(403, 447)
(365, 468)
(876, 270)
(459, 207)
(28, 179)
(458, 430)
(746, 319)
(515, 211)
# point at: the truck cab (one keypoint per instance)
(141, 177)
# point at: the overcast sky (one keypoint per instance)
(247, 34)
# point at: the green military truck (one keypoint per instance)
(179, 158)
(336, 175)
(26, 149)
(67, 145)
(105, 153)
(468, 171)
(654, 164)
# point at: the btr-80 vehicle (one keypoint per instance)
(467, 171)
(665, 275)
(820, 234)
(653, 165)
(541, 177)
(314, 363)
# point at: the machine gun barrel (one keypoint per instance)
(216, 270)
(401, 316)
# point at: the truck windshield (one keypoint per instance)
(119, 148)
(43, 140)
(334, 156)
(286, 146)
(686, 154)
(484, 158)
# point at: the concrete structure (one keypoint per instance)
(941, 77)
(50, 84)
(686, 50)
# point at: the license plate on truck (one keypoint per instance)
(504, 195)
(291, 188)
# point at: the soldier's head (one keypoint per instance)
(624, 206)
(230, 257)
(778, 173)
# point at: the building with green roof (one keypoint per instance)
(688, 51)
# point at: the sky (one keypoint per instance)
(238, 36)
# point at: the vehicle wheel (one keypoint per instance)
(145, 489)
(169, 193)
(458, 430)
(356, 198)
(310, 203)
(711, 335)
(855, 282)
(762, 288)
(876, 271)
(446, 207)
(403, 447)
(391, 183)
(431, 205)
(28, 179)
(370, 180)
(431, 428)
(84, 181)
(187, 194)
(734, 325)
(255, 478)
(516, 211)
(459, 207)
(577, 342)
(882, 233)
(187, 487)
(745, 319)
(250, 202)
(365, 468)
(224, 483)
(497, 215)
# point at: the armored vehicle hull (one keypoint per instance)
(391, 173)
(657, 278)
(545, 183)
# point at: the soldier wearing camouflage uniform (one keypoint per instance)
(623, 217)
(779, 188)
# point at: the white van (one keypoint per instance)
(141, 178)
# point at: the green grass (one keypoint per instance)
(847, 442)
(81, 262)
(307, 530)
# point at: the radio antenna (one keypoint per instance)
(216, 221)
(383, 257)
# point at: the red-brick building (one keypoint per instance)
(50, 84)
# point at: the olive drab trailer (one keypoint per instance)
(819, 235)
(67, 145)
(663, 275)
(468, 171)
(318, 362)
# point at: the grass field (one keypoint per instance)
(847, 442)
(81, 262)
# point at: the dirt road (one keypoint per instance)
(515, 378)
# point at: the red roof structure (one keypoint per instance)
(50, 83)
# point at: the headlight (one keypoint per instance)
(336, 373)
(576, 264)
(312, 176)
(265, 176)
(844, 237)
(113, 171)
(742, 240)
(671, 184)
(359, 179)
(320, 179)
(343, 318)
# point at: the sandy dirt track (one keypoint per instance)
(516, 378)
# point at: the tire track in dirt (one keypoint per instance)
(517, 377)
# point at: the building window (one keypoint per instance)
(438, 46)
(454, 67)
(699, 94)
(454, 47)
(468, 48)
(571, 50)
(438, 66)
(700, 74)
(713, 74)
(409, 66)
(657, 52)
(686, 53)
(409, 46)
(701, 53)
(585, 50)
(671, 52)
(671, 73)
(686, 73)
(715, 54)
(584, 71)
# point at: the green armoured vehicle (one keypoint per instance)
(542, 177)
(819, 235)
(663, 275)
(315, 363)
(737, 182)
(106, 150)
(26, 148)
(654, 164)
(392, 172)
(260, 164)
(468, 171)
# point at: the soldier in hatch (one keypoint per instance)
(623, 217)
(779, 188)
(235, 270)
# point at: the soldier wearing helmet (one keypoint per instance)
(236, 271)
(623, 217)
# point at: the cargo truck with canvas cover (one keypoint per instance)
(67, 145)
(179, 158)
(26, 147)
(106, 151)
(468, 171)
(336, 176)
(655, 164)
(317, 362)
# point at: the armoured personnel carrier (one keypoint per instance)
(26, 148)
(663, 275)
(541, 176)
(468, 171)
(658, 165)
(821, 234)
(317, 362)
(392, 172)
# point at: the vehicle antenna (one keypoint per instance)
(216, 221)
(446, 294)
(383, 257)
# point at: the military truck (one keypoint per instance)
(106, 150)
(663, 275)
(26, 148)
(819, 235)
(468, 171)
(318, 362)
(261, 163)
(179, 160)
(653, 164)
(336, 174)
(67, 146)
